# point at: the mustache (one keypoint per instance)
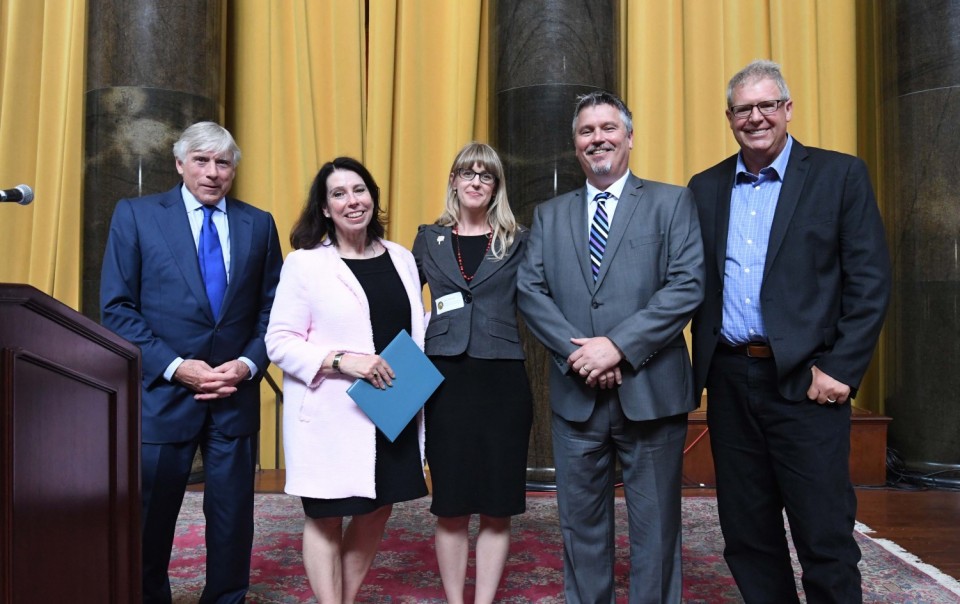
(599, 147)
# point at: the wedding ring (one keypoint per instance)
(831, 400)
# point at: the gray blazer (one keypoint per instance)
(486, 326)
(650, 284)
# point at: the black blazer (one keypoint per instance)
(826, 281)
(486, 326)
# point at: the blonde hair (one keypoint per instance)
(499, 215)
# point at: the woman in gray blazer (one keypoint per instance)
(480, 415)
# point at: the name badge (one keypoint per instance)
(449, 302)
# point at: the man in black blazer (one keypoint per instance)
(203, 353)
(621, 382)
(797, 284)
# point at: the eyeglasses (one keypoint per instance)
(468, 175)
(765, 107)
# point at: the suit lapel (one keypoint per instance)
(241, 234)
(793, 181)
(440, 248)
(626, 207)
(579, 233)
(489, 266)
(174, 227)
(722, 214)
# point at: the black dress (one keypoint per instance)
(478, 426)
(399, 472)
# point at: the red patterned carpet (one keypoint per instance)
(405, 569)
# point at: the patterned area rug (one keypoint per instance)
(405, 569)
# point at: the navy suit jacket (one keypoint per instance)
(826, 280)
(152, 294)
(486, 326)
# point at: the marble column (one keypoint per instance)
(545, 54)
(153, 68)
(921, 151)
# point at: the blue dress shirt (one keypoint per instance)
(752, 205)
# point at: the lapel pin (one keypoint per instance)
(440, 239)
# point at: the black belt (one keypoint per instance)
(754, 350)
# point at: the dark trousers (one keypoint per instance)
(651, 457)
(772, 454)
(229, 465)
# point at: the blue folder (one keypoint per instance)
(392, 409)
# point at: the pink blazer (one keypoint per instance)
(328, 442)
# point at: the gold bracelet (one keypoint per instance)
(336, 362)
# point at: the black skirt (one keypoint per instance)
(478, 432)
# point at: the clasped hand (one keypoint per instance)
(211, 382)
(597, 361)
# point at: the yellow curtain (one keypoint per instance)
(400, 86)
(42, 60)
(679, 55)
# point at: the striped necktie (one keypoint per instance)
(211, 261)
(599, 230)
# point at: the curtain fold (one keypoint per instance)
(42, 60)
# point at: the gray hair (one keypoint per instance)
(602, 97)
(209, 137)
(758, 70)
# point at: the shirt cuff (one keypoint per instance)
(172, 368)
(251, 365)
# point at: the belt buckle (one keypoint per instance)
(762, 351)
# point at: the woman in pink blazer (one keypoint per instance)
(344, 293)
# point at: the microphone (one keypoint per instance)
(21, 194)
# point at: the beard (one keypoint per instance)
(601, 169)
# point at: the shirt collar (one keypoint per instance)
(616, 189)
(190, 202)
(778, 166)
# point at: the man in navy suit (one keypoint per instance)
(202, 347)
(798, 279)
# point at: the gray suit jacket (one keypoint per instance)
(486, 326)
(650, 284)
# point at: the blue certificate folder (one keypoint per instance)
(392, 409)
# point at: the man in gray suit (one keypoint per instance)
(612, 274)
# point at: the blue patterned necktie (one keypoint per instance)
(211, 261)
(599, 230)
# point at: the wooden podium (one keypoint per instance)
(70, 441)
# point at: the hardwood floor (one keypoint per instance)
(926, 523)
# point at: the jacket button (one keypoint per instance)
(468, 297)
(595, 304)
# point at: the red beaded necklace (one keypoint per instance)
(456, 245)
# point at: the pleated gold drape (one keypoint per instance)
(400, 86)
(42, 59)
